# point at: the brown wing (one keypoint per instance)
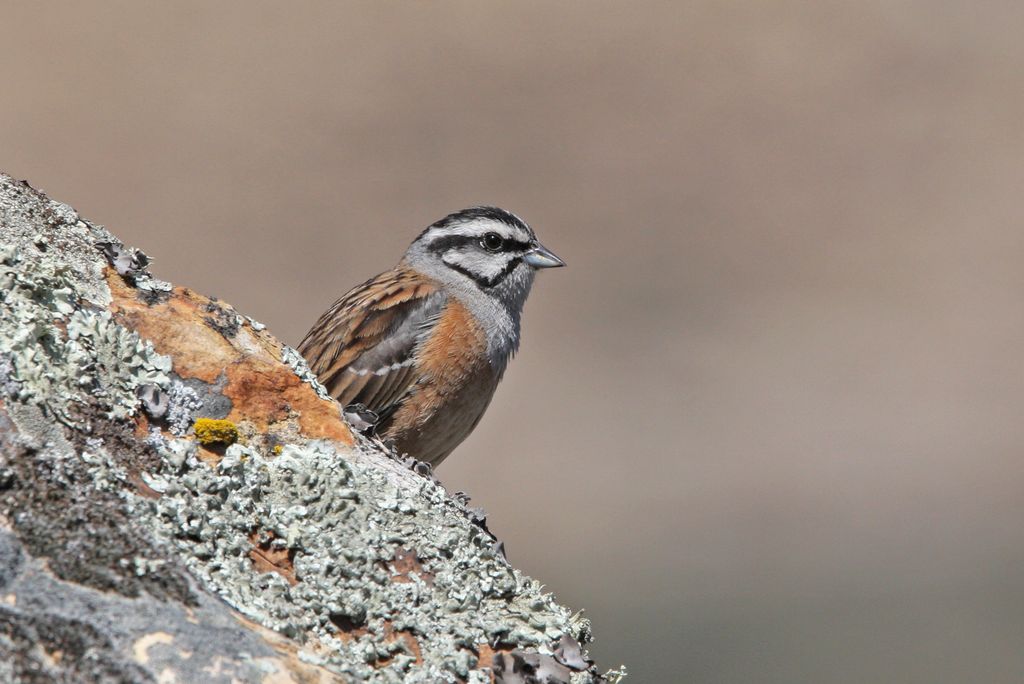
(362, 349)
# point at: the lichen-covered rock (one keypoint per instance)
(160, 452)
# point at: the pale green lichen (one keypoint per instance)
(115, 361)
(343, 516)
(60, 357)
(150, 284)
(182, 404)
(298, 364)
(60, 350)
(43, 229)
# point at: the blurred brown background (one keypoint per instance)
(767, 425)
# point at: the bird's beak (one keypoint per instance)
(542, 257)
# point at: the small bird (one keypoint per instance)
(425, 344)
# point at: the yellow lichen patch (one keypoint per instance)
(210, 431)
(278, 449)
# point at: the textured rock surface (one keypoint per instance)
(279, 547)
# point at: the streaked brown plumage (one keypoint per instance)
(425, 344)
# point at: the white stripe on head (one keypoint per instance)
(476, 221)
(476, 228)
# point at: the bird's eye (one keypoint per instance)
(492, 242)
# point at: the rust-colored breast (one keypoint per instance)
(455, 386)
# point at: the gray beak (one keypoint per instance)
(542, 257)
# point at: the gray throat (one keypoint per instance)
(498, 310)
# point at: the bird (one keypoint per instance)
(424, 345)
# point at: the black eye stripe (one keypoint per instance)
(515, 246)
(443, 244)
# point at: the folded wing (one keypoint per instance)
(363, 348)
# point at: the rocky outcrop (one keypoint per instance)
(181, 501)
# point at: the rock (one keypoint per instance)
(280, 545)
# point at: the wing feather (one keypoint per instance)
(362, 347)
